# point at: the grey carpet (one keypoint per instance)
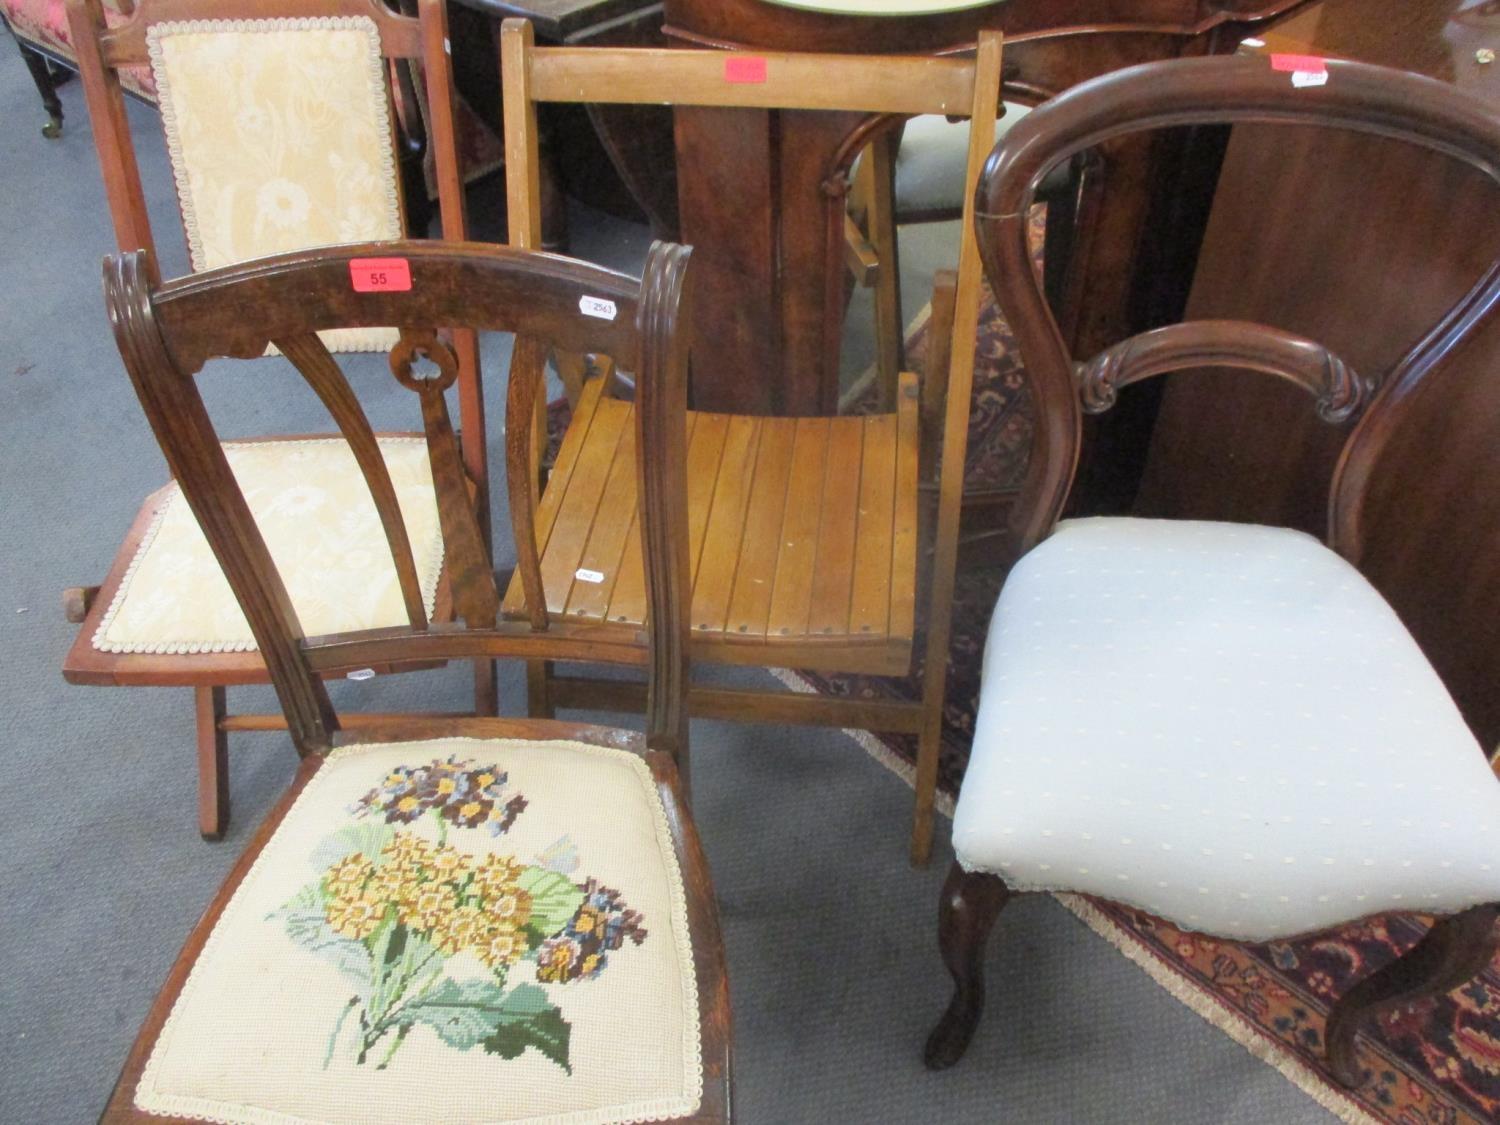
(832, 954)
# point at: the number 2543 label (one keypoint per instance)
(380, 275)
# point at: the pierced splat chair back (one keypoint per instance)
(1355, 96)
(167, 331)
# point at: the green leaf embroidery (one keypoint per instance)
(305, 922)
(554, 898)
(531, 1021)
(472, 1013)
(361, 836)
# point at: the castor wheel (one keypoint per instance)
(53, 129)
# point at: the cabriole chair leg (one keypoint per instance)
(966, 913)
(1454, 952)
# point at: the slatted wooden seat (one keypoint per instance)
(803, 532)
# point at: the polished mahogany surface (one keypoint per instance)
(1359, 242)
(752, 182)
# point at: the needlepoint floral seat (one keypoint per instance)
(456, 930)
(321, 526)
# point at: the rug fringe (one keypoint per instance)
(1226, 1020)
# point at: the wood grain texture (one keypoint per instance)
(765, 170)
(801, 544)
(1415, 231)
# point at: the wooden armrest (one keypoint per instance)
(1339, 389)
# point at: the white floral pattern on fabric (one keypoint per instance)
(279, 134)
(387, 955)
(1224, 725)
(320, 524)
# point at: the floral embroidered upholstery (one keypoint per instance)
(279, 134)
(460, 930)
(45, 24)
(1223, 725)
(321, 526)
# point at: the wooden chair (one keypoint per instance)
(804, 532)
(440, 909)
(244, 192)
(1223, 725)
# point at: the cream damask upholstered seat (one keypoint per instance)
(314, 509)
(456, 930)
(1224, 725)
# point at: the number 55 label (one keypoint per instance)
(380, 275)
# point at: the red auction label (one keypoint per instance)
(744, 68)
(1299, 64)
(380, 275)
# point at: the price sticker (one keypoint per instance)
(380, 275)
(597, 307)
(747, 69)
(1306, 70)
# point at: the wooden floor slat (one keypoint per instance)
(599, 568)
(870, 596)
(833, 572)
(580, 501)
(755, 579)
(797, 551)
(719, 559)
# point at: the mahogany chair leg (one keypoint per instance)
(46, 86)
(966, 913)
(1455, 950)
(213, 763)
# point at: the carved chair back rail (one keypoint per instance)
(168, 332)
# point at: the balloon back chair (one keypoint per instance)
(279, 126)
(445, 917)
(1222, 725)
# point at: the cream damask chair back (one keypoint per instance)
(281, 134)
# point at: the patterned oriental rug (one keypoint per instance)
(1438, 1063)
